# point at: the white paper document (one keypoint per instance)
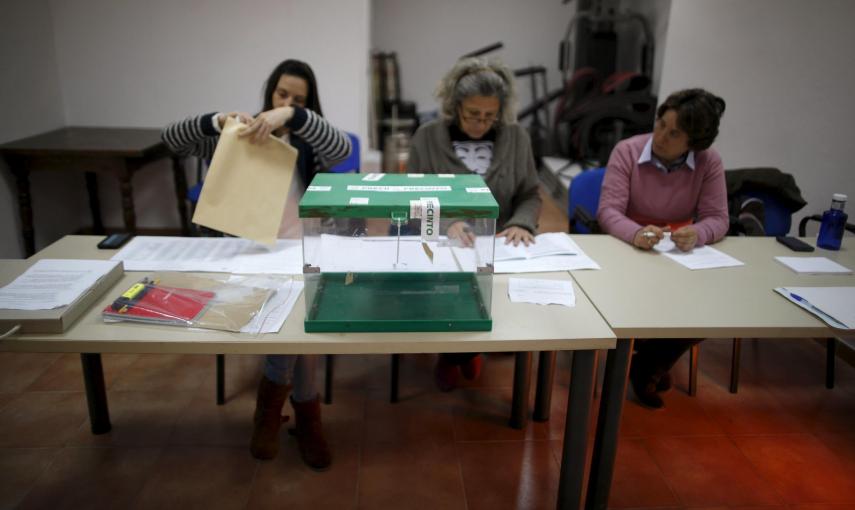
(340, 254)
(571, 258)
(553, 243)
(834, 305)
(813, 265)
(705, 257)
(52, 283)
(278, 307)
(211, 254)
(541, 292)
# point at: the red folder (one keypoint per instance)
(162, 304)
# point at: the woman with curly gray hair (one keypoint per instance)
(477, 133)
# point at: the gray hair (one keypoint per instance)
(478, 77)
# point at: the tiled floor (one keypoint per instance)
(783, 441)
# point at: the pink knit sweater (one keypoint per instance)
(634, 195)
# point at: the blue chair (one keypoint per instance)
(351, 164)
(584, 200)
(777, 218)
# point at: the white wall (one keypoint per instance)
(147, 63)
(144, 64)
(31, 103)
(785, 69)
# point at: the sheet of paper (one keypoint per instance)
(813, 265)
(705, 257)
(566, 262)
(547, 264)
(211, 254)
(552, 243)
(340, 254)
(278, 307)
(52, 283)
(831, 304)
(246, 186)
(541, 292)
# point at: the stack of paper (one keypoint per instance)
(813, 265)
(831, 304)
(211, 254)
(52, 283)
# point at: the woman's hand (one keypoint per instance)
(648, 237)
(266, 123)
(516, 235)
(241, 116)
(685, 237)
(462, 232)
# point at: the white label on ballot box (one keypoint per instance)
(427, 209)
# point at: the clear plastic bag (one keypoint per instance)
(179, 299)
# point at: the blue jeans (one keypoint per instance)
(298, 371)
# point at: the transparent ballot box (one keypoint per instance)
(398, 252)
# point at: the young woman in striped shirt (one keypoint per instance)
(292, 111)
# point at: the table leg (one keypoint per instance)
(126, 189)
(543, 391)
(96, 393)
(25, 207)
(574, 452)
(181, 193)
(608, 423)
(394, 374)
(522, 385)
(328, 378)
(734, 365)
(830, 357)
(221, 379)
(94, 202)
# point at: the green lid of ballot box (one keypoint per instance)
(380, 195)
(398, 252)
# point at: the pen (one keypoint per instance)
(815, 309)
(648, 234)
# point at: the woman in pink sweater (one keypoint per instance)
(667, 181)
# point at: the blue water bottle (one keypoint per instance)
(833, 224)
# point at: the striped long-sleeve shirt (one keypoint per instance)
(320, 144)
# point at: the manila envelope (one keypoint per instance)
(246, 187)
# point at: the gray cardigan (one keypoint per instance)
(511, 177)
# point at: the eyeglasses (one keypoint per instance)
(488, 119)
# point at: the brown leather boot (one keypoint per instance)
(310, 435)
(268, 418)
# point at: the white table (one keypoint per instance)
(516, 327)
(646, 295)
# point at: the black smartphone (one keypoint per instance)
(113, 241)
(794, 243)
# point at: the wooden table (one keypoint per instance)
(517, 327)
(117, 151)
(647, 295)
